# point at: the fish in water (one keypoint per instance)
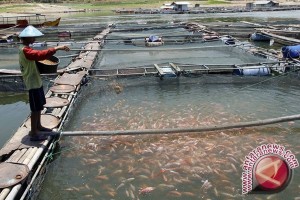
(118, 88)
(146, 190)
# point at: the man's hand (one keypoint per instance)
(65, 48)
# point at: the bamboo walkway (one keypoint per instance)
(20, 150)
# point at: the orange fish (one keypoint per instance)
(146, 190)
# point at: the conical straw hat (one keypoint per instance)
(30, 31)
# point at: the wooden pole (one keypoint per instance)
(184, 130)
(156, 49)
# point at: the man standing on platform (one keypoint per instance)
(32, 78)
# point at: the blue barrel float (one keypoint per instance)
(291, 51)
(253, 71)
(259, 37)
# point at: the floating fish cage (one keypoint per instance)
(168, 70)
(14, 82)
(122, 97)
(145, 166)
(11, 83)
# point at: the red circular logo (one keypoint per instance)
(271, 173)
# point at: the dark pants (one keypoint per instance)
(37, 99)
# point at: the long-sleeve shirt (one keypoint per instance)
(27, 58)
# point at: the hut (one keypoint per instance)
(261, 5)
(181, 6)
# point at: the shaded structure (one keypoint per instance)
(261, 4)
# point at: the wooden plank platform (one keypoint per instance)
(20, 149)
(69, 79)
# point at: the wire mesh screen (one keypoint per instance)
(11, 83)
(14, 83)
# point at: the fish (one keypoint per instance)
(131, 194)
(119, 171)
(216, 192)
(87, 186)
(69, 189)
(102, 177)
(97, 192)
(174, 193)
(121, 185)
(111, 193)
(128, 180)
(163, 186)
(189, 194)
(91, 161)
(206, 185)
(142, 176)
(232, 159)
(146, 190)
(165, 178)
(227, 194)
(132, 187)
(234, 168)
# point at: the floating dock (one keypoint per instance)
(19, 151)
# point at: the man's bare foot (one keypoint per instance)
(38, 137)
(33, 133)
(41, 128)
(43, 133)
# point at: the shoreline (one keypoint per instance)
(15, 9)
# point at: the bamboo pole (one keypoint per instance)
(184, 130)
(156, 49)
(37, 171)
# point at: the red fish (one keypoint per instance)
(146, 190)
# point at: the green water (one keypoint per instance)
(14, 108)
(181, 166)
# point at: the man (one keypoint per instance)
(32, 78)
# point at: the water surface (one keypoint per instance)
(183, 166)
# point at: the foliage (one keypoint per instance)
(216, 2)
(13, 7)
